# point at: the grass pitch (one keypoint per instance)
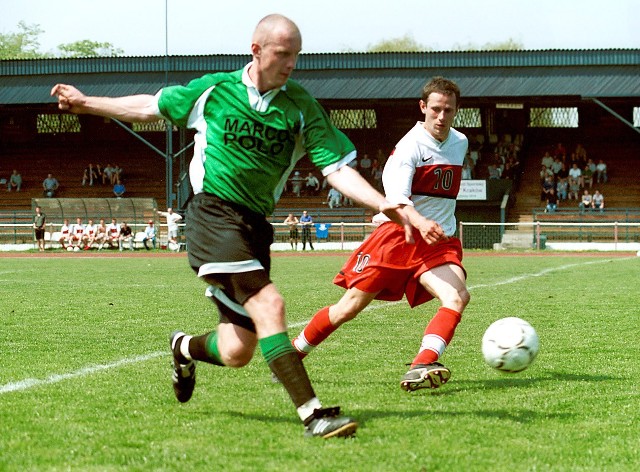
(85, 383)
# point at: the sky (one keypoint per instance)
(142, 27)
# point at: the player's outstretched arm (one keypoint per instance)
(352, 185)
(132, 108)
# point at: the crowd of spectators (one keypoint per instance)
(565, 178)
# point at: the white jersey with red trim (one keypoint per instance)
(65, 230)
(77, 231)
(113, 230)
(426, 173)
(90, 230)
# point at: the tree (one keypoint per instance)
(508, 45)
(87, 48)
(21, 45)
(403, 44)
(25, 44)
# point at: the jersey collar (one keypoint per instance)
(259, 102)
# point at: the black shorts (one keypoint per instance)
(39, 234)
(229, 247)
(293, 233)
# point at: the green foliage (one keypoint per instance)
(92, 332)
(508, 45)
(25, 44)
(86, 48)
(403, 44)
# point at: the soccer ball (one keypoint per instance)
(76, 249)
(510, 345)
(69, 248)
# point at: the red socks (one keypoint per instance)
(437, 336)
(316, 331)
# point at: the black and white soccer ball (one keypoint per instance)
(510, 345)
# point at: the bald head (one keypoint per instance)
(275, 46)
(274, 26)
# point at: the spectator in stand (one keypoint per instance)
(601, 172)
(334, 198)
(99, 174)
(547, 160)
(587, 177)
(377, 178)
(544, 173)
(563, 173)
(552, 202)
(581, 155)
(562, 189)
(574, 189)
(296, 183)
(467, 169)
(494, 171)
(15, 181)
(89, 176)
(556, 167)
(113, 233)
(126, 236)
(119, 188)
(598, 201)
(50, 186)
(365, 167)
(65, 234)
(576, 173)
(149, 235)
(560, 151)
(312, 186)
(108, 175)
(547, 186)
(586, 203)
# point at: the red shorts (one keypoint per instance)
(384, 263)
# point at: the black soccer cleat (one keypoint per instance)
(184, 375)
(327, 423)
(432, 375)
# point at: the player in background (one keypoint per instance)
(113, 233)
(253, 125)
(172, 226)
(77, 234)
(65, 234)
(423, 173)
(101, 234)
(89, 235)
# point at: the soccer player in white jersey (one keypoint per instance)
(101, 234)
(89, 236)
(77, 234)
(172, 225)
(423, 173)
(113, 233)
(65, 234)
(252, 126)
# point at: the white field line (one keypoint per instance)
(85, 371)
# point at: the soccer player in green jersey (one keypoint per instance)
(252, 126)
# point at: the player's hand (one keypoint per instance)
(69, 98)
(396, 214)
(431, 232)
